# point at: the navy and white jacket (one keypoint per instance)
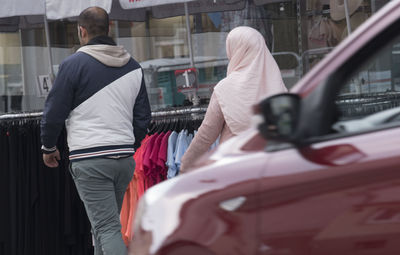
(100, 95)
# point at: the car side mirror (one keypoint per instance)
(281, 114)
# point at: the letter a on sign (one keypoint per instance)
(44, 85)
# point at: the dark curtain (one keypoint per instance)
(41, 212)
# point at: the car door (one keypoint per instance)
(339, 191)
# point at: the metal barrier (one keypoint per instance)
(353, 106)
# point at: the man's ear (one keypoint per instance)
(83, 32)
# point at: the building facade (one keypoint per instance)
(299, 33)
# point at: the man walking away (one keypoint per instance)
(100, 95)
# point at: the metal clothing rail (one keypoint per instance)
(174, 112)
(21, 115)
(163, 113)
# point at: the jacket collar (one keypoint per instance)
(101, 39)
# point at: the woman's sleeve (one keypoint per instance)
(207, 134)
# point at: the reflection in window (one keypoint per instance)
(24, 58)
(11, 87)
(371, 96)
(161, 46)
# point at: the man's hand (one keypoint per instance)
(50, 160)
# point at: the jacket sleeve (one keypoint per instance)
(208, 132)
(57, 108)
(141, 115)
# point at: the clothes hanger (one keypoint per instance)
(197, 124)
(153, 127)
(160, 126)
(185, 125)
(175, 125)
(167, 126)
(191, 126)
(180, 124)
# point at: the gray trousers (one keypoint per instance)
(101, 184)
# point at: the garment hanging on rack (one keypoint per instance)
(158, 157)
(41, 210)
(52, 210)
(172, 168)
(183, 141)
(162, 154)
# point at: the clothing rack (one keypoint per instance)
(359, 105)
(21, 115)
(317, 13)
(178, 112)
(33, 195)
(161, 113)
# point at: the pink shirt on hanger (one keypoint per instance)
(148, 164)
(134, 191)
(139, 170)
(162, 156)
(155, 169)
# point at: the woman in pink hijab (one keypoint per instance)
(252, 75)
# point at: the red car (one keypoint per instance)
(320, 174)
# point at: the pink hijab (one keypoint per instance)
(252, 75)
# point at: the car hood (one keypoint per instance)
(162, 206)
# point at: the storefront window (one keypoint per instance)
(11, 89)
(326, 25)
(299, 33)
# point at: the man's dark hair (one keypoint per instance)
(95, 20)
